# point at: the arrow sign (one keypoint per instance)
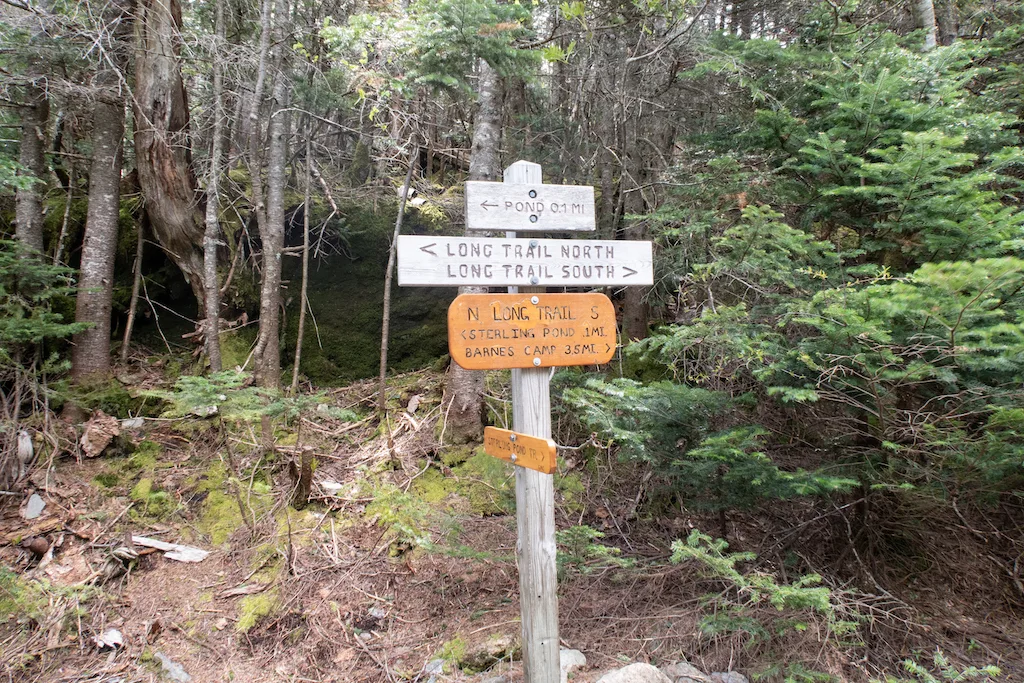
(511, 206)
(521, 449)
(499, 262)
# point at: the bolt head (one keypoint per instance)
(534, 280)
(513, 457)
(534, 299)
(533, 218)
(533, 193)
(536, 361)
(511, 437)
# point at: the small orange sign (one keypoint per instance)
(531, 452)
(495, 331)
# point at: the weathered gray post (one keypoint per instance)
(535, 505)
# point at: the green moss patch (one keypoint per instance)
(487, 484)
(346, 294)
(152, 502)
(19, 599)
(123, 471)
(220, 515)
(253, 608)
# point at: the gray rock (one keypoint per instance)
(132, 423)
(34, 507)
(684, 672)
(173, 670)
(495, 679)
(728, 677)
(635, 673)
(499, 647)
(433, 668)
(568, 660)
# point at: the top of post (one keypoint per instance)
(523, 172)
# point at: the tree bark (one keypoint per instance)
(464, 390)
(254, 128)
(267, 358)
(304, 293)
(924, 20)
(414, 153)
(949, 22)
(28, 203)
(162, 145)
(133, 303)
(90, 357)
(211, 239)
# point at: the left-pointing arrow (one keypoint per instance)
(486, 205)
(427, 247)
(463, 334)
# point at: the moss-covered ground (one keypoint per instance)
(346, 297)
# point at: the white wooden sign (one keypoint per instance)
(522, 208)
(499, 262)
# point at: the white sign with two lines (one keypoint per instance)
(501, 262)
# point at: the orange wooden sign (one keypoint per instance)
(495, 331)
(531, 452)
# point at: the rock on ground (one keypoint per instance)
(568, 660)
(635, 673)
(487, 654)
(728, 677)
(684, 672)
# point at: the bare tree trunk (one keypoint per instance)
(414, 153)
(91, 354)
(924, 20)
(949, 22)
(58, 249)
(133, 304)
(211, 239)
(303, 298)
(28, 203)
(255, 136)
(464, 390)
(634, 306)
(267, 358)
(162, 145)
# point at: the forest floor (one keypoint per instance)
(405, 555)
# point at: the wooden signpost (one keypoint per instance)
(497, 331)
(521, 449)
(528, 331)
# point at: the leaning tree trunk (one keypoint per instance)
(90, 357)
(464, 390)
(28, 203)
(162, 145)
